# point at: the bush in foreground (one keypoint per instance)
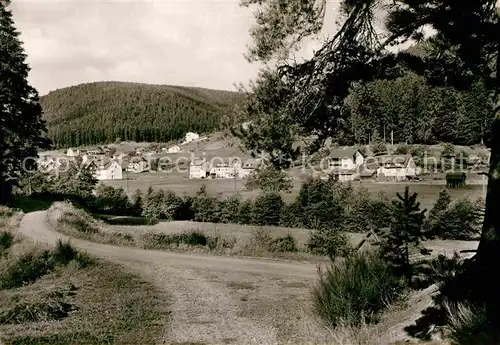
(356, 290)
(48, 305)
(470, 325)
(35, 263)
(329, 242)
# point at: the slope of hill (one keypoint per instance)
(102, 112)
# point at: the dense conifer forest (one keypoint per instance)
(103, 112)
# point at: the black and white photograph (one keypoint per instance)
(249, 172)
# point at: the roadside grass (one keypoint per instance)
(75, 222)
(61, 296)
(101, 304)
(357, 290)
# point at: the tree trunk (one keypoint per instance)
(488, 254)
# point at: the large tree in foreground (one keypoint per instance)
(21, 123)
(463, 46)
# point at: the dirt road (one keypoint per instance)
(214, 299)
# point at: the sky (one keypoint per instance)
(191, 43)
(176, 42)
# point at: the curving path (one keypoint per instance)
(215, 299)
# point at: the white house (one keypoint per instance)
(349, 158)
(72, 153)
(138, 165)
(199, 168)
(224, 171)
(396, 167)
(248, 167)
(344, 163)
(174, 149)
(110, 170)
(190, 136)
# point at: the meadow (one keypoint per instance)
(181, 184)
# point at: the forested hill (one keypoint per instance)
(103, 112)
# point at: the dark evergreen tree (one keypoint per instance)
(436, 213)
(405, 229)
(21, 124)
(267, 209)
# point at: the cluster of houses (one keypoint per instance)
(351, 164)
(107, 165)
(348, 164)
(201, 169)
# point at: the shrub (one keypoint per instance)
(320, 202)
(283, 244)
(267, 209)
(34, 264)
(205, 207)
(220, 242)
(6, 241)
(26, 269)
(261, 239)
(329, 242)
(459, 221)
(291, 215)
(365, 212)
(6, 212)
(356, 290)
(112, 200)
(80, 221)
(152, 240)
(378, 147)
(37, 307)
(436, 213)
(402, 149)
(245, 212)
(448, 150)
(470, 325)
(229, 209)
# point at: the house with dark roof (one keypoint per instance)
(138, 164)
(199, 168)
(344, 163)
(396, 167)
(105, 169)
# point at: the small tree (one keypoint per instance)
(329, 242)
(377, 146)
(205, 206)
(267, 209)
(436, 213)
(448, 150)
(137, 200)
(291, 215)
(402, 149)
(229, 209)
(170, 206)
(320, 202)
(405, 229)
(152, 206)
(460, 221)
(245, 212)
(269, 179)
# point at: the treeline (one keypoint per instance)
(321, 205)
(418, 113)
(103, 112)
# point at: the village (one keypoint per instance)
(343, 163)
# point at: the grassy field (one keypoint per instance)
(55, 301)
(182, 185)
